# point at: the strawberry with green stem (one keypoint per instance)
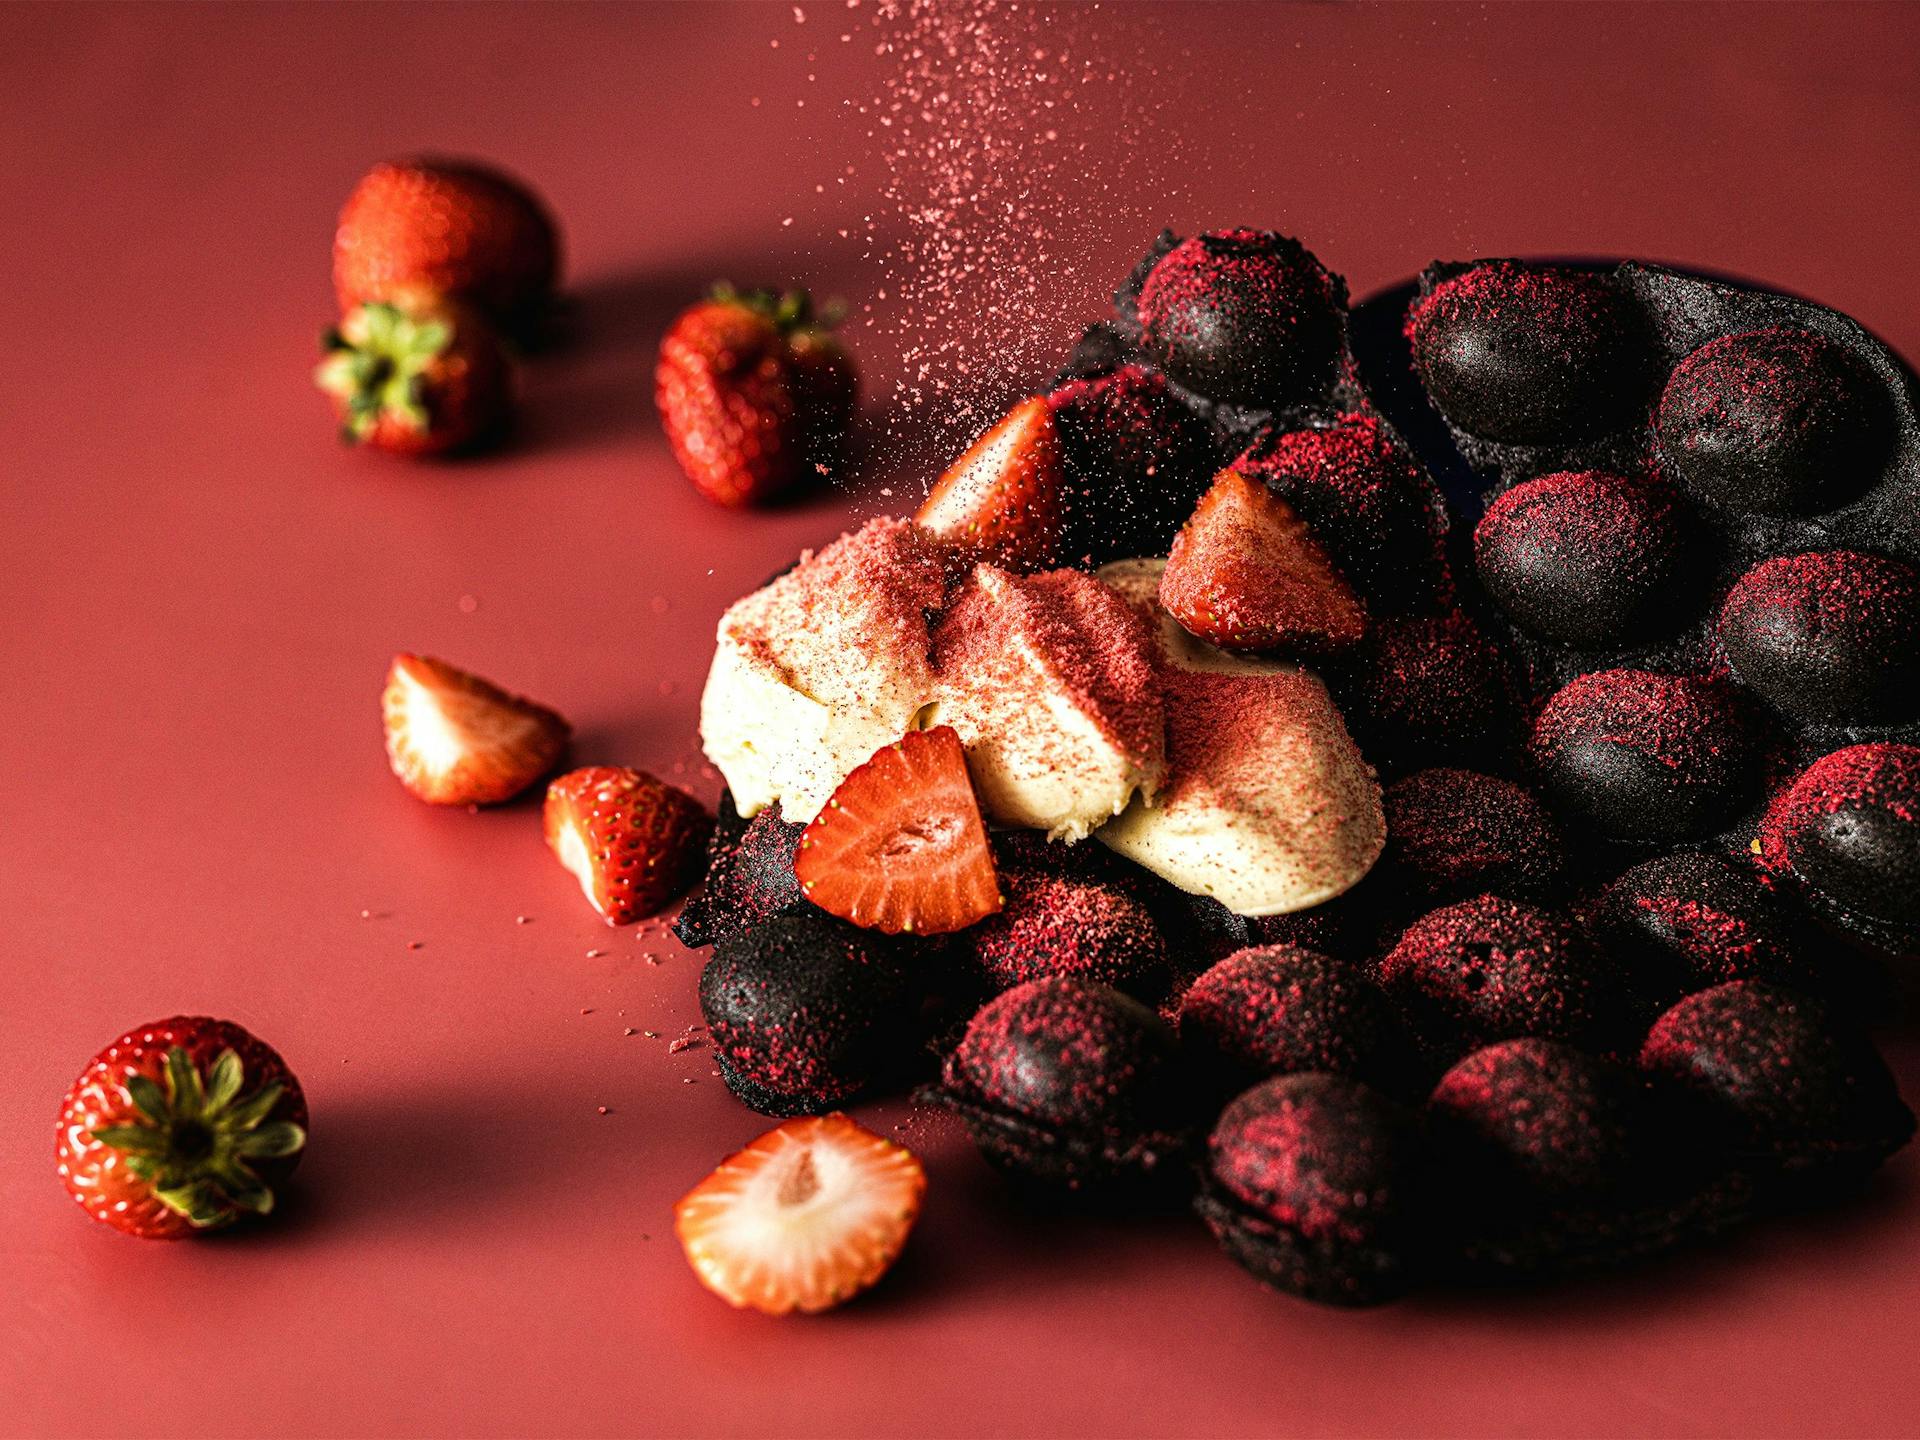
(755, 393)
(180, 1127)
(415, 376)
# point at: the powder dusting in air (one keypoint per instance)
(1008, 161)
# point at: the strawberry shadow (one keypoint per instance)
(1845, 1236)
(983, 1238)
(661, 729)
(417, 1163)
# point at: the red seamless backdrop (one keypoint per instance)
(199, 591)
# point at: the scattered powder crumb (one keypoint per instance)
(685, 1042)
(416, 944)
(603, 1110)
(629, 1031)
(523, 919)
(595, 954)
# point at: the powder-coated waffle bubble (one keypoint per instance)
(1702, 534)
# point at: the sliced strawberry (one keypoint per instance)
(900, 846)
(1004, 500)
(807, 1216)
(1245, 572)
(630, 840)
(455, 739)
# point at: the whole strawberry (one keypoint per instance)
(633, 842)
(179, 1127)
(416, 376)
(756, 394)
(452, 227)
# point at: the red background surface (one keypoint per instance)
(200, 591)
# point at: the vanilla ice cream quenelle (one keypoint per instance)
(815, 671)
(1083, 708)
(1268, 805)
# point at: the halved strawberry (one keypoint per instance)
(455, 739)
(1245, 572)
(633, 842)
(1004, 500)
(900, 846)
(806, 1216)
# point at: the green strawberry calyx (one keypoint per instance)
(379, 372)
(197, 1137)
(790, 310)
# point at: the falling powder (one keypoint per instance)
(997, 141)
